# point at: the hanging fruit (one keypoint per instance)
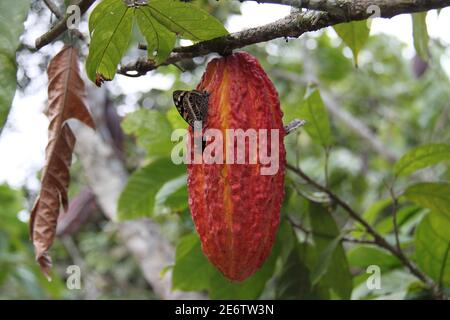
(236, 207)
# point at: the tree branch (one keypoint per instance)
(378, 238)
(327, 236)
(54, 9)
(61, 26)
(294, 25)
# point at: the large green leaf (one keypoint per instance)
(12, 16)
(138, 198)
(173, 195)
(331, 266)
(420, 34)
(186, 20)
(432, 240)
(315, 113)
(433, 195)
(190, 260)
(160, 40)
(354, 34)
(110, 27)
(422, 157)
(152, 130)
(160, 21)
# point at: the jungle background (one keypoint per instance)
(361, 121)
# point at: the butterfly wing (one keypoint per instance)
(179, 98)
(200, 102)
(192, 105)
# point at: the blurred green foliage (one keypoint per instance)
(406, 110)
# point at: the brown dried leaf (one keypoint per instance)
(81, 208)
(66, 97)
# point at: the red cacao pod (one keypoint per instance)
(236, 209)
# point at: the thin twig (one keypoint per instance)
(328, 236)
(54, 9)
(394, 216)
(61, 26)
(378, 239)
(293, 26)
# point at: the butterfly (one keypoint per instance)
(192, 105)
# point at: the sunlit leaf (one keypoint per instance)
(354, 34)
(110, 27)
(160, 40)
(186, 20)
(422, 157)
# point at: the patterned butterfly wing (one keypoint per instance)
(178, 99)
(199, 101)
(192, 105)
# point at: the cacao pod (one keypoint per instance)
(236, 209)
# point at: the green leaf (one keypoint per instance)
(186, 20)
(110, 25)
(432, 241)
(10, 205)
(404, 215)
(315, 113)
(434, 196)
(12, 17)
(152, 129)
(422, 157)
(160, 40)
(100, 9)
(371, 215)
(293, 282)
(394, 286)
(354, 34)
(331, 266)
(175, 119)
(190, 261)
(325, 257)
(138, 198)
(173, 194)
(420, 34)
(363, 256)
